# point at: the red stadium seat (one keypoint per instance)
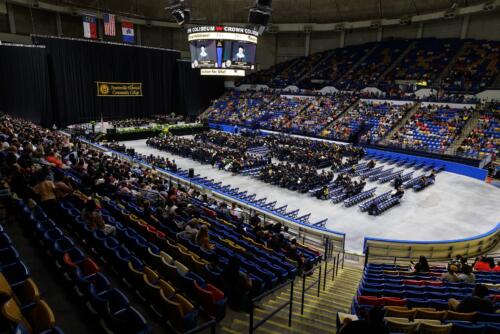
(370, 300)
(391, 301)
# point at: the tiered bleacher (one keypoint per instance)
(485, 137)
(475, 69)
(334, 65)
(426, 60)
(321, 113)
(117, 214)
(372, 118)
(432, 128)
(23, 308)
(429, 300)
(371, 69)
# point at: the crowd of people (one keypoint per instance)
(230, 159)
(432, 128)
(312, 152)
(48, 166)
(484, 138)
(371, 120)
(145, 121)
(301, 178)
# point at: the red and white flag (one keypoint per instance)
(89, 27)
(109, 25)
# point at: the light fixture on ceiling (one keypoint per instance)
(181, 14)
(260, 14)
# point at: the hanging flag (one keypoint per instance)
(128, 32)
(89, 27)
(109, 25)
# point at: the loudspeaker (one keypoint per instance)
(191, 173)
(130, 151)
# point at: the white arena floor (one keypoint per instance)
(454, 207)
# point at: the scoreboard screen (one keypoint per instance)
(222, 50)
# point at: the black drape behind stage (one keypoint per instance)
(196, 91)
(76, 65)
(24, 83)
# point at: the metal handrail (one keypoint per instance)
(212, 323)
(251, 326)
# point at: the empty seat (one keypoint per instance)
(41, 317)
(401, 326)
(427, 314)
(451, 315)
(430, 328)
(399, 312)
(212, 300)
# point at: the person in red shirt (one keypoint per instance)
(51, 157)
(497, 267)
(483, 264)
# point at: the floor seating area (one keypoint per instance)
(22, 306)
(432, 128)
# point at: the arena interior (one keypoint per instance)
(250, 166)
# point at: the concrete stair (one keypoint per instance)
(402, 122)
(466, 130)
(446, 70)
(319, 312)
(398, 60)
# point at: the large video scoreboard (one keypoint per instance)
(222, 50)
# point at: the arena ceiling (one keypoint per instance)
(284, 11)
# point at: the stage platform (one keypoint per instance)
(454, 207)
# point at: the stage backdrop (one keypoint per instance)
(90, 79)
(24, 83)
(196, 91)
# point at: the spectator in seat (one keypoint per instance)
(477, 302)
(497, 267)
(398, 182)
(422, 266)
(92, 217)
(482, 264)
(398, 192)
(62, 186)
(467, 276)
(293, 252)
(451, 275)
(373, 209)
(45, 189)
(190, 231)
(237, 285)
(373, 324)
(203, 239)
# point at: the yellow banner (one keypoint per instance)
(119, 89)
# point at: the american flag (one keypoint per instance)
(109, 25)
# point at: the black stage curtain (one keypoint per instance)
(196, 91)
(24, 83)
(76, 65)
